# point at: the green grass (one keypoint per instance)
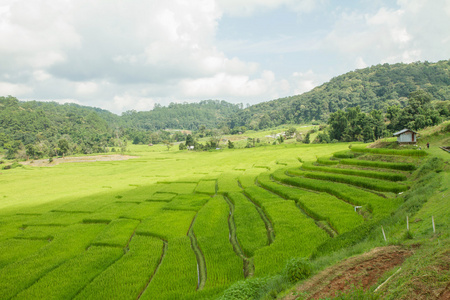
(167, 224)
(379, 164)
(340, 215)
(371, 174)
(117, 233)
(187, 202)
(228, 182)
(13, 250)
(295, 233)
(373, 184)
(53, 218)
(68, 243)
(128, 276)
(180, 260)
(377, 205)
(206, 187)
(223, 266)
(407, 152)
(250, 229)
(68, 279)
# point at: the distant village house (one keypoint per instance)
(406, 136)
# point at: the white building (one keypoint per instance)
(406, 136)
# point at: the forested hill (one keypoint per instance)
(38, 129)
(376, 87)
(46, 126)
(209, 113)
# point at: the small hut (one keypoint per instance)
(406, 136)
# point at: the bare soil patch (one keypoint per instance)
(60, 160)
(361, 271)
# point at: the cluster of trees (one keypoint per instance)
(44, 129)
(355, 125)
(419, 113)
(355, 105)
(210, 144)
(189, 116)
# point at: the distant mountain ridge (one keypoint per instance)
(376, 87)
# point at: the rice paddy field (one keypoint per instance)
(184, 224)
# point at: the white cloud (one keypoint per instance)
(223, 84)
(128, 101)
(123, 55)
(86, 87)
(416, 30)
(305, 81)
(41, 75)
(248, 7)
(7, 88)
(360, 63)
(37, 33)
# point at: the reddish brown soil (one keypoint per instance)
(445, 294)
(362, 271)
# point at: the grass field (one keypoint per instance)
(177, 224)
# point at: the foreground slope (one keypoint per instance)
(418, 266)
(186, 225)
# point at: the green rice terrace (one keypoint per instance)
(190, 225)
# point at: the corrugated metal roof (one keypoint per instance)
(403, 131)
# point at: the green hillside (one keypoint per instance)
(388, 92)
(235, 224)
(376, 87)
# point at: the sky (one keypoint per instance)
(130, 55)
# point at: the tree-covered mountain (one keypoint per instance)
(37, 129)
(209, 113)
(377, 87)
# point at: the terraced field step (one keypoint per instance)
(201, 264)
(330, 213)
(373, 184)
(363, 173)
(249, 268)
(371, 202)
(320, 222)
(268, 224)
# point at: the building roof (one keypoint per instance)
(403, 131)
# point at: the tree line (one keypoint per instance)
(355, 125)
(374, 88)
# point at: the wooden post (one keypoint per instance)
(434, 227)
(407, 223)
(384, 235)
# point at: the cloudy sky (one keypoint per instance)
(123, 55)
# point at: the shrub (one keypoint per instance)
(12, 166)
(248, 289)
(297, 269)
